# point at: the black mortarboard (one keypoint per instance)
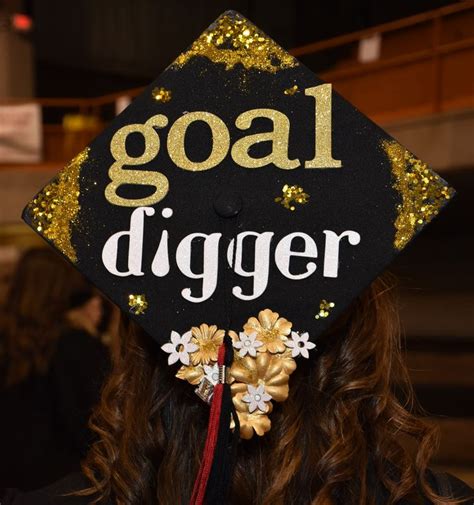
(238, 194)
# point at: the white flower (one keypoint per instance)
(248, 344)
(256, 398)
(299, 344)
(179, 348)
(211, 373)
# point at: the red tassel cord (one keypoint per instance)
(215, 473)
(200, 484)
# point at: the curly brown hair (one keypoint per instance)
(339, 438)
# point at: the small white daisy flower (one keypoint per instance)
(248, 344)
(179, 348)
(211, 373)
(299, 344)
(256, 398)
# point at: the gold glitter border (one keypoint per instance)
(422, 191)
(55, 208)
(233, 39)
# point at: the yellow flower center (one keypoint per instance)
(270, 335)
(207, 345)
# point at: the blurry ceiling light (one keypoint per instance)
(22, 23)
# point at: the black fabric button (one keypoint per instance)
(228, 204)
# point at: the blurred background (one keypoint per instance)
(66, 68)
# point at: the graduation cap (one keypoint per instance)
(234, 210)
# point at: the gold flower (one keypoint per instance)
(208, 339)
(192, 374)
(257, 422)
(271, 330)
(265, 369)
(287, 361)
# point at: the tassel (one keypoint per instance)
(214, 476)
(220, 479)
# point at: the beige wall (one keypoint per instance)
(444, 141)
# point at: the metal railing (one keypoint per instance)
(60, 144)
(436, 49)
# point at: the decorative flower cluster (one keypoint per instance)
(263, 362)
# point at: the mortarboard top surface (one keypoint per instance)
(236, 140)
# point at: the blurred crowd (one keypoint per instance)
(56, 346)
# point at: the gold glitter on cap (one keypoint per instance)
(161, 94)
(422, 191)
(291, 91)
(292, 194)
(55, 208)
(137, 303)
(232, 39)
(325, 308)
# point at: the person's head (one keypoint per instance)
(45, 295)
(85, 311)
(343, 428)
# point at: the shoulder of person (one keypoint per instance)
(59, 493)
(449, 486)
(76, 335)
(72, 342)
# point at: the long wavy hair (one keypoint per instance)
(342, 436)
(43, 288)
